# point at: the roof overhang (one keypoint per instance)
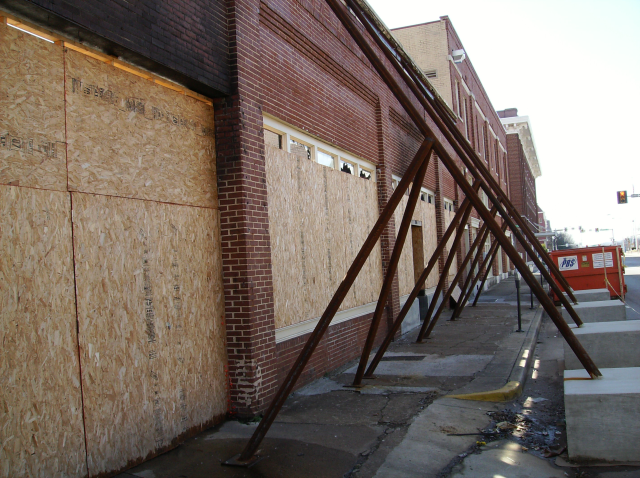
(522, 126)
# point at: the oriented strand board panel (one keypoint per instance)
(286, 238)
(405, 264)
(129, 137)
(32, 149)
(430, 239)
(319, 218)
(41, 431)
(150, 312)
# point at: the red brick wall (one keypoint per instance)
(293, 60)
(522, 182)
(341, 343)
(242, 193)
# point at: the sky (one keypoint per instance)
(573, 67)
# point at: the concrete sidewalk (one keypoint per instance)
(403, 423)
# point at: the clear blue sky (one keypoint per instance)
(573, 67)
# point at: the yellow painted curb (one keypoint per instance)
(510, 391)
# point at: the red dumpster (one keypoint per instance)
(592, 268)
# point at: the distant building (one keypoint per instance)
(545, 234)
(524, 167)
(438, 51)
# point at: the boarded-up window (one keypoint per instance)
(272, 139)
(347, 167)
(365, 174)
(326, 159)
(300, 149)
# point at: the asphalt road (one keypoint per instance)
(632, 279)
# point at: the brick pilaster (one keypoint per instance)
(385, 189)
(246, 250)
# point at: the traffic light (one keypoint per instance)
(622, 197)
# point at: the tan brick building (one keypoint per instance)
(439, 52)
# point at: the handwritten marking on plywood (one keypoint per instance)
(41, 430)
(32, 149)
(319, 219)
(152, 337)
(129, 137)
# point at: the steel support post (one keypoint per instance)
(347, 20)
(455, 138)
(466, 205)
(444, 274)
(469, 279)
(491, 256)
(247, 455)
(488, 259)
(391, 270)
(427, 328)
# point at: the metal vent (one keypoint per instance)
(431, 73)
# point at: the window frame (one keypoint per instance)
(289, 133)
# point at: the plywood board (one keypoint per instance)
(129, 137)
(430, 238)
(150, 312)
(41, 431)
(319, 218)
(284, 229)
(32, 149)
(339, 244)
(448, 217)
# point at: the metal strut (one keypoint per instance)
(491, 258)
(429, 322)
(470, 284)
(346, 19)
(391, 270)
(426, 331)
(462, 210)
(456, 140)
(472, 267)
(482, 177)
(444, 274)
(245, 458)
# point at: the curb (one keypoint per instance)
(518, 374)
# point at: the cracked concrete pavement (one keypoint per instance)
(403, 424)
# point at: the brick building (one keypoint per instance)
(439, 52)
(524, 167)
(193, 180)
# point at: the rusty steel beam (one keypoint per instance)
(487, 268)
(430, 321)
(466, 205)
(391, 270)
(348, 22)
(444, 274)
(469, 278)
(247, 456)
(469, 288)
(461, 146)
(459, 273)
